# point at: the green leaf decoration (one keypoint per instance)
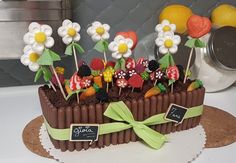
(68, 50)
(45, 58)
(166, 61)
(101, 46)
(171, 82)
(38, 74)
(95, 72)
(190, 43)
(78, 48)
(54, 56)
(120, 64)
(47, 75)
(105, 44)
(199, 43)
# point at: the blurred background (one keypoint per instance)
(138, 15)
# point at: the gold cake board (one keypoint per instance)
(220, 132)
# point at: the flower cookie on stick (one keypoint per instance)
(69, 33)
(121, 83)
(121, 49)
(100, 34)
(39, 38)
(197, 27)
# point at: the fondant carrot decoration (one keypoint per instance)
(197, 27)
(98, 80)
(194, 85)
(97, 65)
(155, 90)
(89, 92)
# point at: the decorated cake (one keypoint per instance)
(115, 101)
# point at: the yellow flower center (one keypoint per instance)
(33, 57)
(40, 37)
(71, 32)
(123, 48)
(166, 28)
(168, 43)
(100, 31)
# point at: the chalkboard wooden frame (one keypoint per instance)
(178, 107)
(83, 125)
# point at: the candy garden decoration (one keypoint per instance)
(70, 36)
(100, 34)
(38, 56)
(197, 27)
(168, 43)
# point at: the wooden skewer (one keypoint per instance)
(52, 85)
(187, 69)
(105, 57)
(120, 91)
(77, 95)
(58, 81)
(107, 87)
(75, 58)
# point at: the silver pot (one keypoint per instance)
(15, 17)
(215, 65)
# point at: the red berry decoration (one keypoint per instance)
(132, 72)
(130, 63)
(130, 34)
(120, 74)
(75, 81)
(152, 76)
(172, 73)
(139, 68)
(61, 79)
(122, 83)
(85, 82)
(97, 64)
(198, 26)
(136, 81)
(110, 64)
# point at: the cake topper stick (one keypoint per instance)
(69, 31)
(58, 81)
(197, 27)
(53, 87)
(188, 65)
(100, 34)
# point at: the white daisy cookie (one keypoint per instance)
(121, 47)
(30, 57)
(168, 43)
(39, 37)
(69, 31)
(165, 26)
(99, 31)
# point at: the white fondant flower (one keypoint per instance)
(168, 43)
(30, 57)
(39, 37)
(99, 31)
(69, 31)
(121, 47)
(165, 26)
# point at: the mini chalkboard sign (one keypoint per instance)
(176, 113)
(84, 132)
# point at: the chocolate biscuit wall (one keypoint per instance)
(141, 109)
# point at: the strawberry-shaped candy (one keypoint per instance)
(172, 73)
(120, 74)
(131, 72)
(121, 83)
(97, 64)
(130, 34)
(140, 60)
(85, 82)
(135, 81)
(198, 26)
(139, 68)
(130, 63)
(75, 81)
(110, 64)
